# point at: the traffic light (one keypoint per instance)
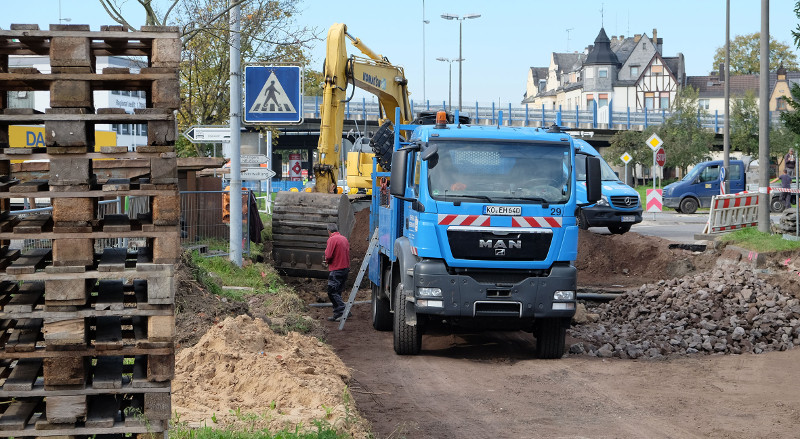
(226, 206)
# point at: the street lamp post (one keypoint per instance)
(424, 22)
(450, 84)
(460, 58)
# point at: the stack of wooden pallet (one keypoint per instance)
(86, 334)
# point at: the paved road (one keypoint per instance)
(671, 225)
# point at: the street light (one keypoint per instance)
(460, 21)
(424, 22)
(450, 94)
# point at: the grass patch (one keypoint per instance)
(751, 239)
(323, 430)
(216, 271)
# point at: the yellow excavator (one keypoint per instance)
(300, 219)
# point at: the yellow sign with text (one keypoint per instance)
(32, 136)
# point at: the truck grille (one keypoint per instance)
(625, 201)
(498, 309)
(486, 245)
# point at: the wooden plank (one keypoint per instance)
(108, 373)
(103, 411)
(29, 261)
(64, 372)
(117, 184)
(33, 224)
(64, 332)
(116, 223)
(24, 336)
(29, 186)
(161, 328)
(160, 367)
(26, 298)
(17, 415)
(110, 296)
(113, 259)
(65, 292)
(108, 334)
(157, 406)
(65, 409)
(23, 375)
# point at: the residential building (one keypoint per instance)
(616, 72)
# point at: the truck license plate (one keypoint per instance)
(628, 219)
(502, 210)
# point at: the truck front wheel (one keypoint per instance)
(381, 314)
(407, 338)
(689, 205)
(550, 336)
(776, 205)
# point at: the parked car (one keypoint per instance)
(618, 209)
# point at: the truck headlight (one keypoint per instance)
(603, 201)
(429, 292)
(564, 295)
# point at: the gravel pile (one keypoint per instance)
(728, 310)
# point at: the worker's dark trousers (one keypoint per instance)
(336, 280)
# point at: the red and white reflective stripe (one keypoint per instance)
(783, 189)
(463, 220)
(739, 201)
(536, 221)
(733, 227)
(414, 251)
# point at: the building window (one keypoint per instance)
(780, 104)
(589, 72)
(589, 101)
(649, 100)
(656, 70)
(644, 46)
(125, 128)
(602, 100)
(664, 101)
(703, 104)
(602, 73)
(634, 71)
(143, 129)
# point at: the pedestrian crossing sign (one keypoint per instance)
(273, 94)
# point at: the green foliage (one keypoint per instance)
(791, 119)
(685, 140)
(751, 239)
(256, 276)
(312, 82)
(744, 123)
(745, 51)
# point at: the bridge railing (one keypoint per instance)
(526, 115)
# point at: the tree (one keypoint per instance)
(745, 51)
(685, 140)
(268, 34)
(744, 123)
(312, 82)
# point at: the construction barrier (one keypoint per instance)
(731, 212)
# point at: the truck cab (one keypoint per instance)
(619, 207)
(701, 183)
(479, 233)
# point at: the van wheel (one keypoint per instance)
(619, 229)
(776, 205)
(689, 205)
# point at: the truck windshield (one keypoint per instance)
(606, 173)
(502, 172)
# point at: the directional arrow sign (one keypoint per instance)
(257, 173)
(208, 134)
(253, 159)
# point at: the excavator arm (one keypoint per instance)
(300, 219)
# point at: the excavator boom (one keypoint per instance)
(300, 219)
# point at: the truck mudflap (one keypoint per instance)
(497, 294)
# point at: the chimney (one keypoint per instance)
(721, 72)
(637, 37)
(655, 35)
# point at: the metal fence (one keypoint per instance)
(205, 220)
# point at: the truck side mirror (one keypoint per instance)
(397, 185)
(593, 182)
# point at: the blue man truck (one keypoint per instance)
(477, 231)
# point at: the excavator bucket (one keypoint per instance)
(300, 230)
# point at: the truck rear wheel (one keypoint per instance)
(407, 338)
(776, 205)
(550, 336)
(580, 219)
(619, 229)
(689, 205)
(381, 315)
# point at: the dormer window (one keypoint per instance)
(634, 71)
(644, 46)
(602, 73)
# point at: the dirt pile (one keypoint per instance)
(731, 309)
(242, 374)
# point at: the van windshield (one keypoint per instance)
(606, 173)
(500, 171)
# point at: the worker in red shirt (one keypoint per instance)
(337, 257)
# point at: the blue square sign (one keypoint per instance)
(272, 94)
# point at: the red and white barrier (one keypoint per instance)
(732, 212)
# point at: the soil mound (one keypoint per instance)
(242, 374)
